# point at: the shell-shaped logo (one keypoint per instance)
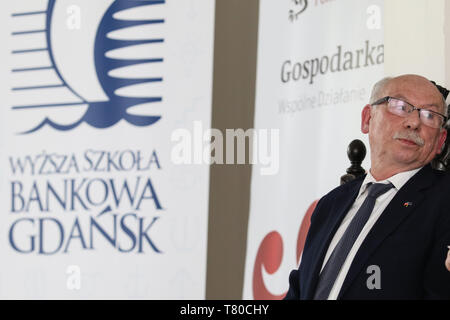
(107, 70)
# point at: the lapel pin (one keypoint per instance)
(407, 204)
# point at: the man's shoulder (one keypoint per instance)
(334, 199)
(432, 177)
(348, 188)
(441, 184)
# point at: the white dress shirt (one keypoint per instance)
(381, 203)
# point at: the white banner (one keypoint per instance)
(317, 62)
(92, 204)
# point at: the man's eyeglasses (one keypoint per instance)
(403, 109)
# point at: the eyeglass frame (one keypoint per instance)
(386, 99)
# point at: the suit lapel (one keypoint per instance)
(395, 213)
(340, 207)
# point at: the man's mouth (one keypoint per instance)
(409, 139)
(408, 142)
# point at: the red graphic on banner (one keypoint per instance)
(304, 227)
(270, 255)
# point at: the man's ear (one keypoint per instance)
(365, 119)
(442, 137)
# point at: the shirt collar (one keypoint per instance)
(397, 180)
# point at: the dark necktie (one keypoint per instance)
(337, 258)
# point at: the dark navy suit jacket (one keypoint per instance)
(408, 243)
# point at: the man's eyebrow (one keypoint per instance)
(431, 105)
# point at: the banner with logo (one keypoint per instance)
(92, 204)
(317, 62)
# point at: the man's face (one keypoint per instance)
(404, 143)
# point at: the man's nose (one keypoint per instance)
(412, 120)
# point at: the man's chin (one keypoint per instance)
(407, 159)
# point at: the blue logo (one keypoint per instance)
(98, 114)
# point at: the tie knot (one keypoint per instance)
(377, 189)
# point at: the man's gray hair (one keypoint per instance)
(445, 107)
(378, 89)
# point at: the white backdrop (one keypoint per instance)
(317, 62)
(92, 205)
(428, 34)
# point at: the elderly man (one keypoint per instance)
(385, 235)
